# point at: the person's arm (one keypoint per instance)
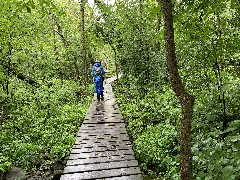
(103, 71)
(92, 73)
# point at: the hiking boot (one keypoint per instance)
(98, 97)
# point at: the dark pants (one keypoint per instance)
(98, 81)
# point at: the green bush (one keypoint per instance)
(43, 120)
(214, 158)
(5, 163)
(152, 123)
(157, 150)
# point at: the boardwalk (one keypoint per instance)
(102, 149)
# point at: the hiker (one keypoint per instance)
(98, 74)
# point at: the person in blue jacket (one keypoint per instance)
(98, 75)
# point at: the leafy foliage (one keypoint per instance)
(207, 54)
(42, 98)
(158, 151)
(152, 123)
(44, 120)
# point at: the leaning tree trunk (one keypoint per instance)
(186, 100)
(83, 43)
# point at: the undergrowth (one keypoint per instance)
(41, 123)
(153, 124)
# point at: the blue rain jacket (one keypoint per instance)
(98, 79)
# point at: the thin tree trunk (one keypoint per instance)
(158, 26)
(116, 66)
(143, 51)
(219, 35)
(56, 49)
(65, 43)
(115, 57)
(59, 31)
(9, 65)
(186, 100)
(83, 43)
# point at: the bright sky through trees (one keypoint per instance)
(109, 2)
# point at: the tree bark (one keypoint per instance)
(186, 100)
(220, 78)
(55, 48)
(83, 43)
(8, 65)
(158, 26)
(115, 58)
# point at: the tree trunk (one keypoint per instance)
(115, 58)
(143, 52)
(220, 79)
(158, 26)
(9, 64)
(83, 43)
(186, 100)
(55, 48)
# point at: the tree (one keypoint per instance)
(83, 42)
(186, 100)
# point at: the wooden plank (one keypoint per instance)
(110, 112)
(100, 166)
(89, 133)
(99, 149)
(101, 138)
(103, 121)
(112, 173)
(107, 153)
(131, 177)
(103, 125)
(99, 160)
(101, 146)
(105, 116)
(94, 129)
(107, 135)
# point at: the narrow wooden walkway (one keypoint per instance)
(102, 149)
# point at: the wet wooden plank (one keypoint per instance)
(103, 120)
(107, 138)
(102, 146)
(131, 177)
(100, 166)
(105, 113)
(97, 141)
(99, 149)
(71, 162)
(103, 130)
(107, 153)
(104, 133)
(103, 125)
(112, 173)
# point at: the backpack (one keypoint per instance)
(98, 71)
